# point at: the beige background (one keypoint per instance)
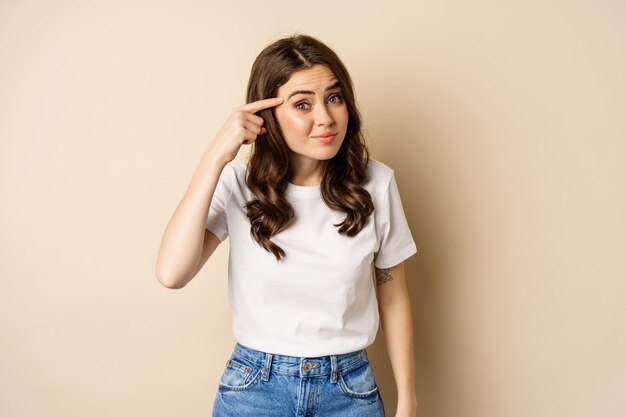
(505, 124)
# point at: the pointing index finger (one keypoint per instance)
(255, 106)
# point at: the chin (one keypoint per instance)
(325, 154)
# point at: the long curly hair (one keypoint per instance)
(268, 168)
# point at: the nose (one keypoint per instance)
(322, 116)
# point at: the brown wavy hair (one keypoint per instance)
(268, 166)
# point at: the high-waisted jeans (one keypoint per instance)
(261, 384)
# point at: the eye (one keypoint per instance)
(298, 104)
(338, 96)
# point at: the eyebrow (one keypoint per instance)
(330, 87)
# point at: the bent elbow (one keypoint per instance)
(173, 285)
(169, 281)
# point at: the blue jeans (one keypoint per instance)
(261, 384)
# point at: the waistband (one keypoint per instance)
(299, 365)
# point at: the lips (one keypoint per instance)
(326, 139)
(325, 135)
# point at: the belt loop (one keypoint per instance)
(333, 369)
(265, 371)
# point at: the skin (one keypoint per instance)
(302, 116)
(394, 306)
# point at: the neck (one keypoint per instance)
(307, 171)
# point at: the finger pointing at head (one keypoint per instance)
(255, 106)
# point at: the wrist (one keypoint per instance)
(213, 159)
(407, 403)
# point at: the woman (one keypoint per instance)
(307, 216)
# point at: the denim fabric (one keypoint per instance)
(260, 384)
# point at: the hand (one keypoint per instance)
(241, 127)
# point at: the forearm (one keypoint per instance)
(397, 326)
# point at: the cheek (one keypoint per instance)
(341, 116)
(295, 123)
(346, 116)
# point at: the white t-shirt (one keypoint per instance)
(320, 299)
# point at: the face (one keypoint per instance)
(313, 106)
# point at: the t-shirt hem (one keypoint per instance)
(308, 353)
(220, 233)
(399, 257)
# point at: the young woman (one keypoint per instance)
(308, 216)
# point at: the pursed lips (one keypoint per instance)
(325, 135)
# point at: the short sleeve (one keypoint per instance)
(217, 219)
(395, 240)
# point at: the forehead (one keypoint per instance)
(318, 75)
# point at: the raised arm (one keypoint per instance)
(186, 243)
(184, 237)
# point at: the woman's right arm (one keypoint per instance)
(186, 234)
(186, 243)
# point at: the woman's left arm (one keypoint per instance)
(395, 319)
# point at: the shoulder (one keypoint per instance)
(379, 174)
(234, 171)
(235, 166)
(234, 177)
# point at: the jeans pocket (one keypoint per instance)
(358, 381)
(239, 374)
